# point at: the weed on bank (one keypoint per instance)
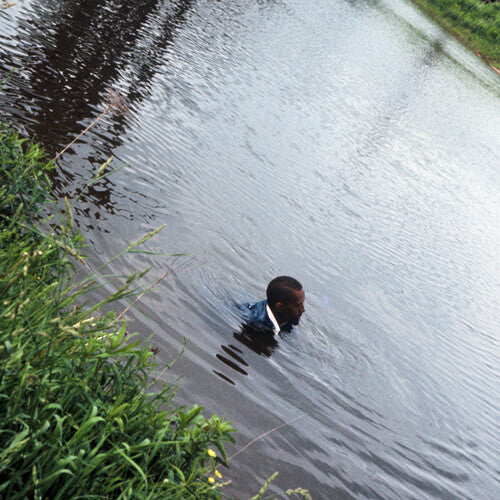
(475, 22)
(77, 416)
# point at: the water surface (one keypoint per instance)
(353, 145)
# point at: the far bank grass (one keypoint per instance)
(475, 23)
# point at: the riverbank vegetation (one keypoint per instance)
(475, 22)
(78, 417)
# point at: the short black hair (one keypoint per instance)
(281, 289)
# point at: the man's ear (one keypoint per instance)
(279, 306)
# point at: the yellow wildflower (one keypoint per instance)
(211, 453)
(217, 474)
(211, 480)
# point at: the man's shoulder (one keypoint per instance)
(255, 313)
(256, 305)
(254, 309)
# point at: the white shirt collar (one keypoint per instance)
(276, 326)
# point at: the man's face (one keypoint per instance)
(292, 311)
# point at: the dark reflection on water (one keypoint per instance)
(350, 144)
(72, 52)
(262, 343)
(68, 55)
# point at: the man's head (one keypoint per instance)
(285, 297)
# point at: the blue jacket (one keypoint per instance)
(256, 315)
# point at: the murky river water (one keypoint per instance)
(353, 145)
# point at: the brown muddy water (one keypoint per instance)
(353, 145)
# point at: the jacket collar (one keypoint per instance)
(276, 326)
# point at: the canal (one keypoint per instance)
(352, 145)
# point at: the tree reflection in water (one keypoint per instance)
(68, 55)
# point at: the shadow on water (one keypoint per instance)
(261, 342)
(68, 55)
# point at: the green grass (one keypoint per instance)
(474, 22)
(78, 418)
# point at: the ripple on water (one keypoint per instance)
(273, 139)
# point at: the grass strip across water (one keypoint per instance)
(474, 22)
(77, 416)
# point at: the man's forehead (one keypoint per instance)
(300, 295)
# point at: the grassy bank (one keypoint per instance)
(474, 22)
(77, 416)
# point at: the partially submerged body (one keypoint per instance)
(280, 311)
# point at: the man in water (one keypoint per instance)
(282, 309)
(263, 322)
